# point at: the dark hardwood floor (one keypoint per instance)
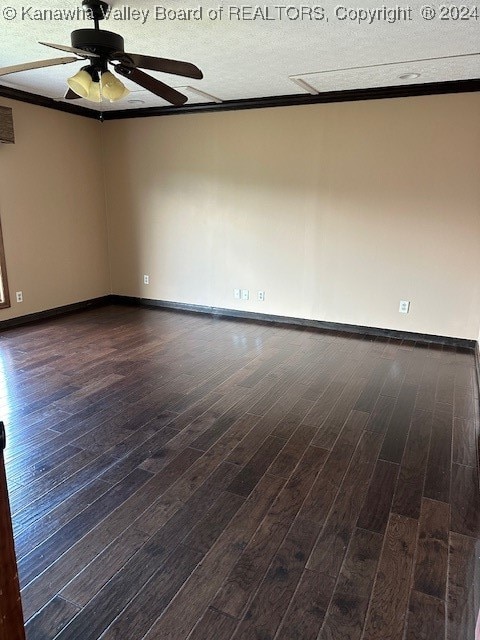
(175, 476)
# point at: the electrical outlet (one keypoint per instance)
(261, 296)
(237, 294)
(19, 296)
(245, 294)
(146, 279)
(404, 306)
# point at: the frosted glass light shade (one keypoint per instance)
(84, 86)
(80, 83)
(94, 94)
(112, 88)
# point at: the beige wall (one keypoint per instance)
(52, 207)
(336, 211)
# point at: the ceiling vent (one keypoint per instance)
(6, 125)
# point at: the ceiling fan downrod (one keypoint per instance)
(97, 9)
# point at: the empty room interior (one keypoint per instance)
(239, 321)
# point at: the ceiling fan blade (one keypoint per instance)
(78, 52)
(165, 65)
(152, 84)
(39, 64)
(71, 95)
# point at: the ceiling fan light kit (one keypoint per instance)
(94, 82)
(94, 85)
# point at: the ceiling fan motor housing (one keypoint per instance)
(97, 41)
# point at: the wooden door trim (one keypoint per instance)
(11, 614)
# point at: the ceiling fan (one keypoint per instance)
(103, 48)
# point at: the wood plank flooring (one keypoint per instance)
(174, 476)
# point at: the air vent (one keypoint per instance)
(6, 125)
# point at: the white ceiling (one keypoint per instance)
(251, 58)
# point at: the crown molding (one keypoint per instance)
(351, 95)
(377, 93)
(49, 103)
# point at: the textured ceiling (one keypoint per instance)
(243, 57)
